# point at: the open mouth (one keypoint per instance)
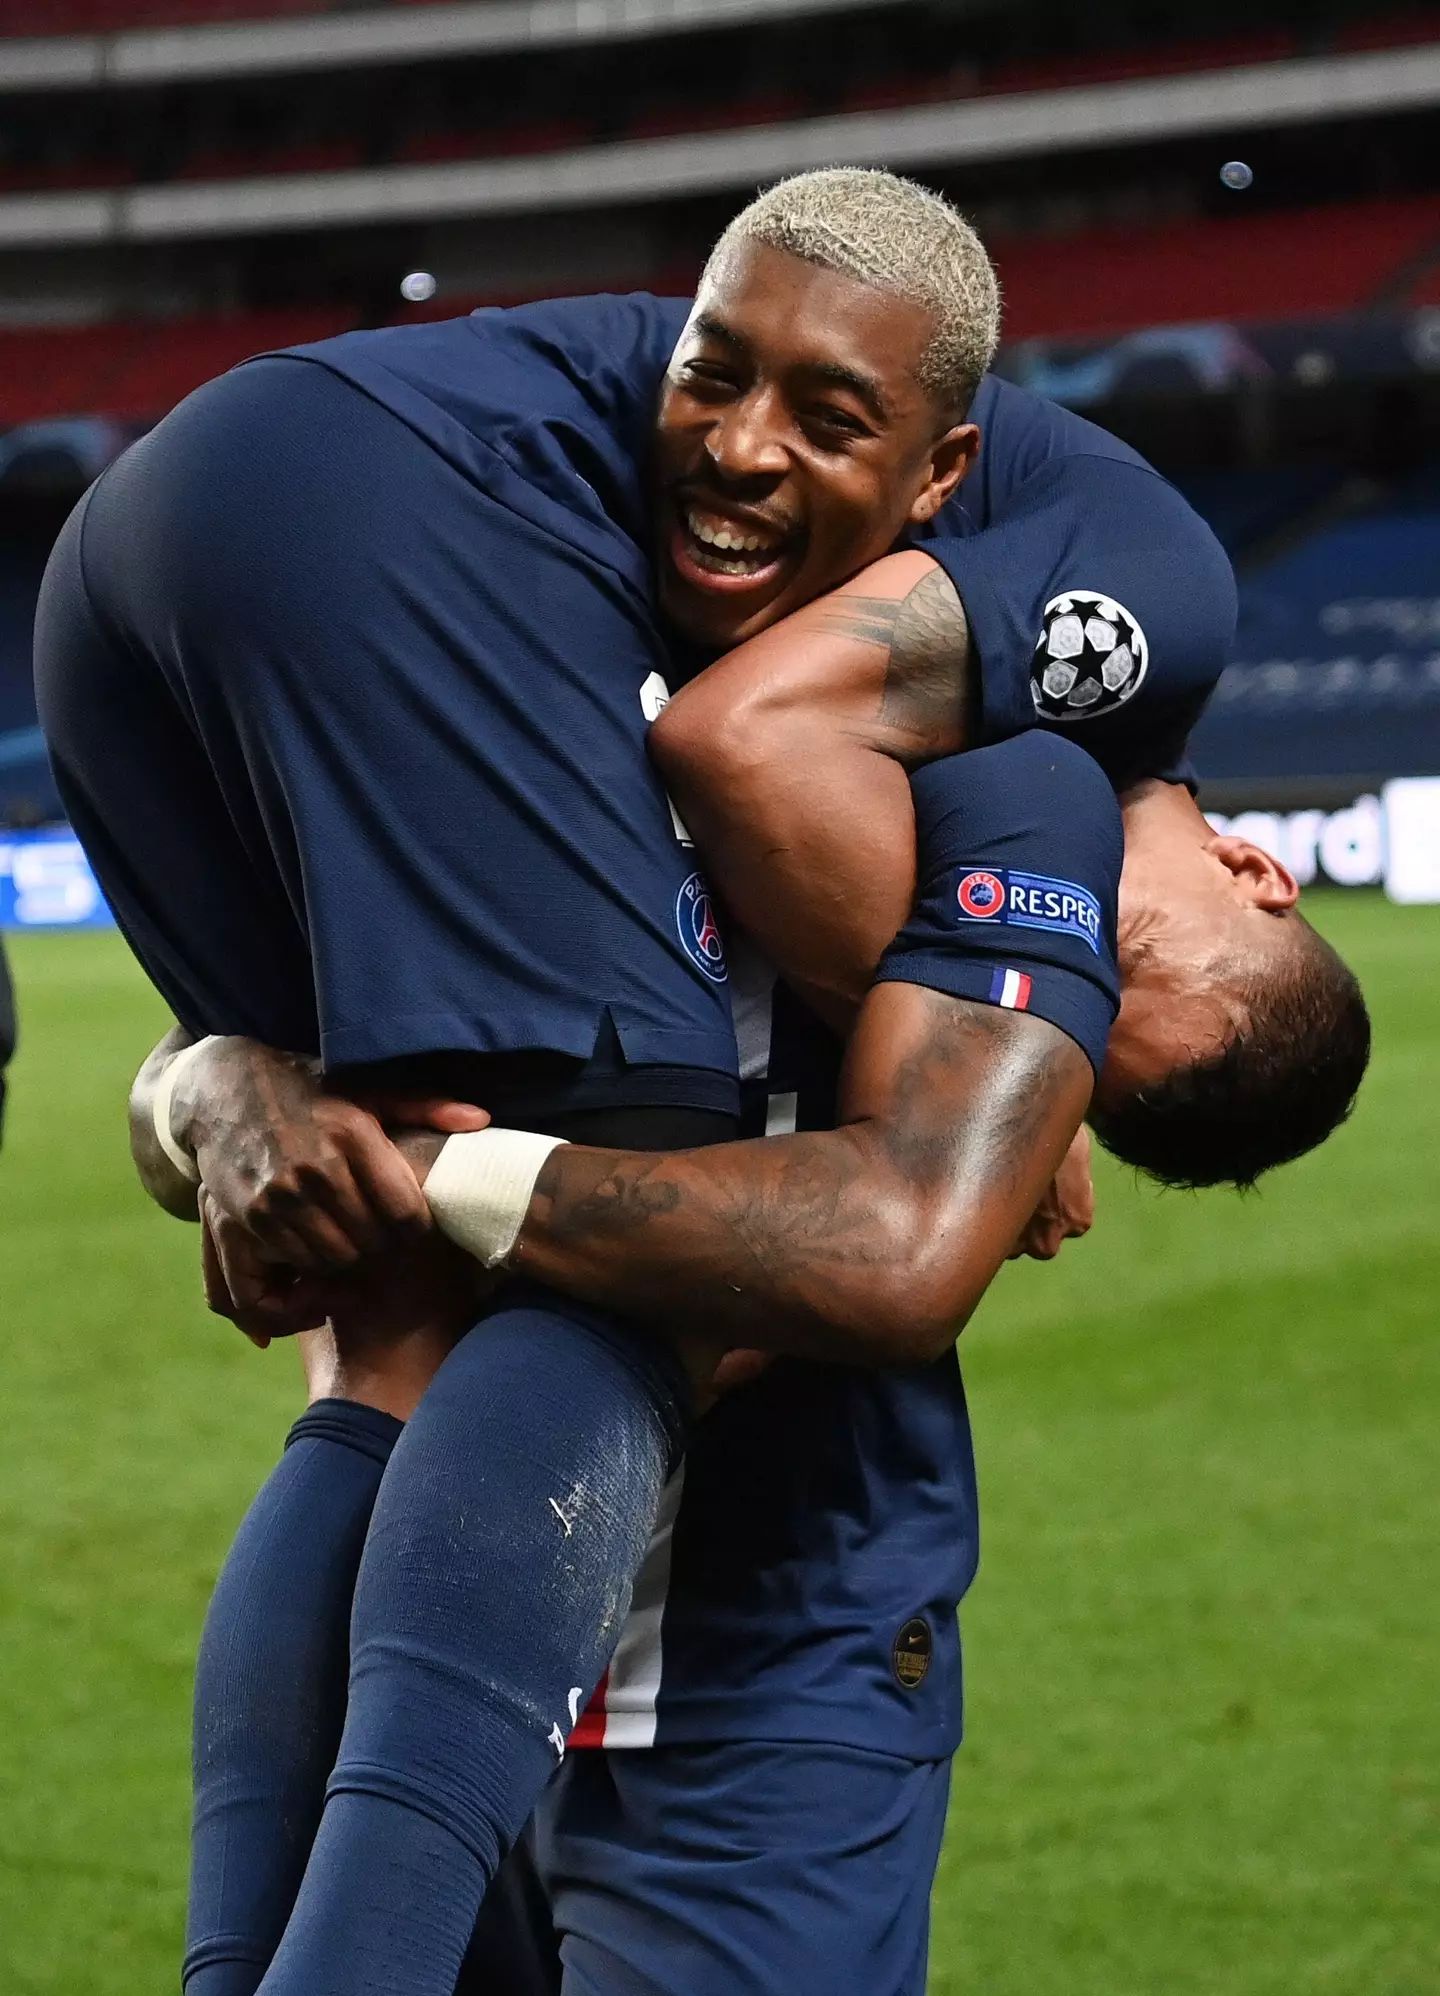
(714, 550)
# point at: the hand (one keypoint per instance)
(265, 1299)
(428, 1287)
(309, 1175)
(1068, 1209)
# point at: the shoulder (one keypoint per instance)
(616, 335)
(1025, 430)
(1026, 776)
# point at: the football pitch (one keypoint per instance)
(1204, 1648)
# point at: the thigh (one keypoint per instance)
(204, 907)
(417, 710)
(742, 1870)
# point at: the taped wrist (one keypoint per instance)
(163, 1102)
(480, 1187)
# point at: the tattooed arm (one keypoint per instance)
(867, 1244)
(788, 760)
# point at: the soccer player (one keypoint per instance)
(295, 646)
(971, 1064)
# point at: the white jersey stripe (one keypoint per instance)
(780, 1114)
(632, 1684)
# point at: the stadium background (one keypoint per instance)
(1203, 1727)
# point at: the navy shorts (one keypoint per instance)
(357, 750)
(734, 1869)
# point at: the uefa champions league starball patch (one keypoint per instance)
(1091, 657)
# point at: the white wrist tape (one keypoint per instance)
(162, 1103)
(480, 1186)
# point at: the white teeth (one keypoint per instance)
(727, 539)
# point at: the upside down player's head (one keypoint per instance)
(1242, 1036)
(815, 405)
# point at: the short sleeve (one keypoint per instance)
(1019, 851)
(1098, 601)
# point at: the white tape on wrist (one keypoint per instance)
(163, 1102)
(480, 1186)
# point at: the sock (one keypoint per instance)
(511, 1521)
(270, 1689)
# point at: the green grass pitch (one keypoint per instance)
(1203, 1652)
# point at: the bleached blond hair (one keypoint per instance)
(891, 233)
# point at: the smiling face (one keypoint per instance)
(793, 442)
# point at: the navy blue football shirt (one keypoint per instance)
(1098, 601)
(816, 1545)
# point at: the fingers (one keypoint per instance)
(337, 1190)
(384, 1179)
(428, 1112)
(264, 1299)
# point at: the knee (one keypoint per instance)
(388, 1374)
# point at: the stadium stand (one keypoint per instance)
(488, 115)
(1337, 666)
(173, 201)
(1250, 268)
(1268, 266)
(26, 791)
(138, 371)
(1249, 506)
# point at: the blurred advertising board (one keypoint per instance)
(46, 883)
(1389, 838)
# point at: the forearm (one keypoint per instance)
(787, 760)
(868, 1244)
(784, 1244)
(166, 1185)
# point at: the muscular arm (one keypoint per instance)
(788, 758)
(871, 1243)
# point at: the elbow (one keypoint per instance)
(923, 1300)
(699, 744)
(914, 1330)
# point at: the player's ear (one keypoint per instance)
(1269, 884)
(951, 456)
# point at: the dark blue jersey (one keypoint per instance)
(350, 714)
(1097, 599)
(815, 1547)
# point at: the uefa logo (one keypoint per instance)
(700, 936)
(981, 896)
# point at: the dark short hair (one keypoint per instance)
(1286, 1078)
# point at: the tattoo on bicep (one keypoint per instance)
(1020, 1071)
(927, 695)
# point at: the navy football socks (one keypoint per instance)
(513, 1516)
(270, 1691)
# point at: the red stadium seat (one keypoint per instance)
(139, 370)
(1269, 266)
(1118, 65)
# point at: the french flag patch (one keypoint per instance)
(1010, 988)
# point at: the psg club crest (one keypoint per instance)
(700, 936)
(981, 896)
(1091, 657)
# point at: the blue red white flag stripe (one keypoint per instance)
(1010, 988)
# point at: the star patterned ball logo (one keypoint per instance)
(1091, 658)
